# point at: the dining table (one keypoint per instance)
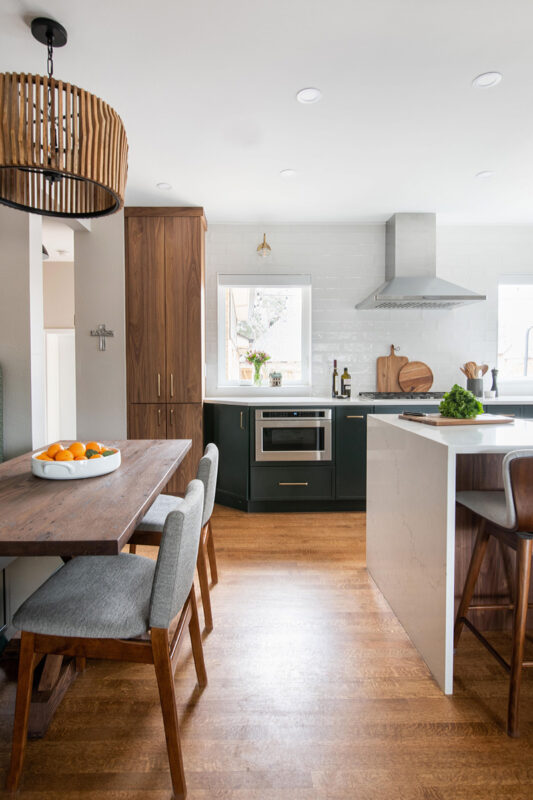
(69, 518)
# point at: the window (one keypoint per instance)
(515, 327)
(264, 312)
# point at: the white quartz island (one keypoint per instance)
(411, 486)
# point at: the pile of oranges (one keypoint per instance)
(77, 451)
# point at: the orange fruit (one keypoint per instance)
(77, 449)
(64, 455)
(54, 449)
(94, 446)
(95, 455)
(44, 457)
(80, 458)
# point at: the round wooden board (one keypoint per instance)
(415, 376)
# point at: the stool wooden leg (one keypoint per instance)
(523, 574)
(196, 641)
(165, 682)
(478, 555)
(133, 548)
(201, 565)
(22, 709)
(211, 553)
(81, 663)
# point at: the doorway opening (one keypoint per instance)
(59, 331)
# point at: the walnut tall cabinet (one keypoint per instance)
(165, 324)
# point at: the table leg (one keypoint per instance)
(53, 676)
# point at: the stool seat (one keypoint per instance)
(155, 517)
(490, 505)
(507, 516)
(104, 597)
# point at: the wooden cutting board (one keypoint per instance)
(388, 369)
(436, 419)
(415, 376)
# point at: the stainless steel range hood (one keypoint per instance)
(411, 269)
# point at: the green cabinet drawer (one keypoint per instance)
(291, 483)
(399, 409)
(511, 410)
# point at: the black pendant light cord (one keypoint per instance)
(50, 60)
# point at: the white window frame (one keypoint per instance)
(519, 383)
(249, 282)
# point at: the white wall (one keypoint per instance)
(21, 339)
(58, 294)
(100, 298)
(346, 263)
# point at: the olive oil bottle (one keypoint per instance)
(346, 384)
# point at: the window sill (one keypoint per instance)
(296, 390)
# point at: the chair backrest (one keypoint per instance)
(518, 485)
(207, 473)
(174, 571)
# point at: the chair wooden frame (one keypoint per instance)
(206, 553)
(520, 473)
(159, 649)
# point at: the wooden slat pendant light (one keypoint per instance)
(63, 151)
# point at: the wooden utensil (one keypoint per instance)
(470, 368)
(387, 371)
(483, 369)
(415, 376)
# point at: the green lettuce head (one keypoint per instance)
(460, 403)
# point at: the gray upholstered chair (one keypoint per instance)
(100, 606)
(508, 516)
(148, 531)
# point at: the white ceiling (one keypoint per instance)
(207, 94)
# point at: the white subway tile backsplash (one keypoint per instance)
(346, 262)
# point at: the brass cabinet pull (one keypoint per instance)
(172, 416)
(159, 384)
(159, 416)
(172, 384)
(242, 421)
(355, 416)
(293, 483)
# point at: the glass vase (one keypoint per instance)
(257, 374)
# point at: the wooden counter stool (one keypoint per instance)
(508, 516)
(100, 606)
(149, 529)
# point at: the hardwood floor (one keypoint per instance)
(315, 693)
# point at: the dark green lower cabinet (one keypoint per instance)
(301, 486)
(228, 427)
(350, 452)
(291, 483)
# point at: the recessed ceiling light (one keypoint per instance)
(288, 173)
(485, 173)
(165, 187)
(486, 80)
(309, 95)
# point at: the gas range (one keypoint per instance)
(401, 395)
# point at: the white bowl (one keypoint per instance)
(74, 470)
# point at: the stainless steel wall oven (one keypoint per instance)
(293, 434)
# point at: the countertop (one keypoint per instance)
(281, 400)
(517, 435)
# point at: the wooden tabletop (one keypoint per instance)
(93, 516)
